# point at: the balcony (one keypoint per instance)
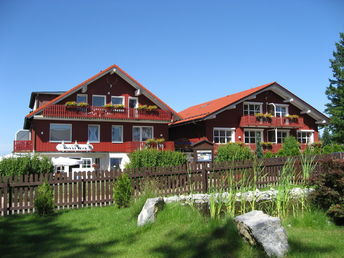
(125, 147)
(103, 113)
(273, 122)
(22, 146)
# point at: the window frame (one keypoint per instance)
(226, 129)
(122, 97)
(311, 138)
(103, 96)
(132, 133)
(70, 134)
(112, 134)
(88, 136)
(278, 130)
(81, 159)
(82, 95)
(137, 101)
(252, 103)
(254, 130)
(286, 106)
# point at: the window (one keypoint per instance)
(224, 135)
(115, 163)
(117, 100)
(251, 108)
(253, 136)
(93, 133)
(98, 100)
(142, 133)
(81, 98)
(305, 136)
(133, 102)
(281, 110)
(280, 136)
(60, 132)
(117, 133)
(86, 163)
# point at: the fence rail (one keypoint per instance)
(85, 189)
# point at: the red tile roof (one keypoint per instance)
(55, 100)
(202, 110)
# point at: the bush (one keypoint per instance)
(44, 200)
(155, 158)
(233, 152)
(25, 165)
(269, 154)
(329, 188)
(290, 147)
(336, 212)
(259, 150)
(333, 148)
(122, 191)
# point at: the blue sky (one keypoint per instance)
(186, 52)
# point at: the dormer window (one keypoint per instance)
(81, 98)
(98, 100)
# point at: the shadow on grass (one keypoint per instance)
(221, 241)
(33, 236)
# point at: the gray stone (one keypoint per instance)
(149, 210)
(258, 228)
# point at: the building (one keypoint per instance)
(96, 123)
(267, 113)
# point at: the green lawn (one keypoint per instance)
(178, 232)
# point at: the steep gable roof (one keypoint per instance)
(111, 69)
(207, 109)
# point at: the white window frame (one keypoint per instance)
(88, 137)
(252, 103)
(224, 129)
(81, 159)
(70, 134)
(278, 130)
(122, 97)
(112, 134)
(82, 95)
(305, 131)
(137, 101)
(103, 96)
(282, 105)
(254, 130)
(132, 134)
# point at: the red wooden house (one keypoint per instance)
(267, 113)
(96, 123)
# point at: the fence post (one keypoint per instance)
(204, 178)
(9, 194)
(5, 195)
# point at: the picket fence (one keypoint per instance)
(85, 189)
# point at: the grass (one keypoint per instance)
(179, 231)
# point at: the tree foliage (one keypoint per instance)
(335, 93)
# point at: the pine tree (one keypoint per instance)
(326, 137)
(335, 93)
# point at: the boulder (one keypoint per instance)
(258, 228)
(149, 210)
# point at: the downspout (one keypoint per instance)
(273, 104)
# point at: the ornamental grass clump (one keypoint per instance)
(44, 200)
(122, 191)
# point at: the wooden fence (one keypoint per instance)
(85, 189)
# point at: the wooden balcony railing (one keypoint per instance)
(282, 122)
(22, 146)
(103, 113)
(126, 147)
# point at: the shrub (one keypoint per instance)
(25, 165)
(269, 154)
(155, 158)
(327, 149)
(290, 147)
(122, 191)
(44, 200)
(329, 187)
(233, 152)
(336, 212)
(259, 150)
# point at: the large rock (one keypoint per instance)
(259, 228)
(149, 210)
